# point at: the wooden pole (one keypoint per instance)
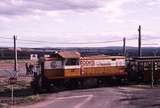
(15, 69)
(124, 46)
(12, 94)
(139, 42)
(15, 54)
(152, 75)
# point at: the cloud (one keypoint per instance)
(21, 7)
(10, 10)
(135, 21)
(153, 3)
(4, 19)
(114, 10)
(25, 7)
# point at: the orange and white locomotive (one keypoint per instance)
(70, 66)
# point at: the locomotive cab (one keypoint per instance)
(72, 67)
(62, 65)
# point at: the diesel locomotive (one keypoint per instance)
(69, 68)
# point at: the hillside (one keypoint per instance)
(24, 53)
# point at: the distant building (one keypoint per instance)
(12, 49)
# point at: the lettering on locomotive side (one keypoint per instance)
(102, 63)
(56, 64)
(88, 63)
(53, 65)
(120, 62)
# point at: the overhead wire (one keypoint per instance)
(6, 38)
(25, 41)
(95, 42)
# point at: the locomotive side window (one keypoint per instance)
(71, 62)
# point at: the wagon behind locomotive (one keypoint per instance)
(140, 69)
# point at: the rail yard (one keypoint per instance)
(69, 77)
(72, 79)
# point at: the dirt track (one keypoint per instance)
(108, 97)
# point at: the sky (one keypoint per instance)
(55, 23)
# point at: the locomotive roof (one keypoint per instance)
(69, 54)
(103, 57)
(146, 58)
(75, 54)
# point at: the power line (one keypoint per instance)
(25, 41)
(151, 44)
(38, 41)
(5, 42)
(6, 38)
(96, 42)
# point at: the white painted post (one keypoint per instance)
(12, 94)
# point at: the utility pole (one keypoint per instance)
(2, 53)
(15, 54)
(139, 42)
(15, 69)
(152, 74)
(124, 46)
(139, 47)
